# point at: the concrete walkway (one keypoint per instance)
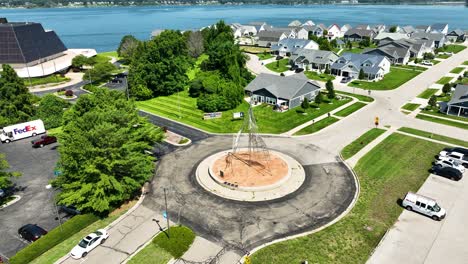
(254, 64)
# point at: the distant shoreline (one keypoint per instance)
(448, 3)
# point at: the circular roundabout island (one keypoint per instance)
(250, 176)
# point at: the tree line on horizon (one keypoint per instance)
(49, 3)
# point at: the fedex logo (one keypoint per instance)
(24, 130)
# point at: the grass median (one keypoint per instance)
(362, 98)
(442, 121)
(430, 135)
(386, 173)
(444, 80)
(426, 94)
(410, 106)
(362, 141)
(350, 109)
(392, 80)
(279, 65)
(457, 70)
(439, 114)
(317, 126)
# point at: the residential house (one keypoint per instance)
(309, 23)
(378, 28)
(345, 28)
(285, 92)
(334, 31)
(269, 38)
(366, 27)
(395, 52)
(260, 26)
(313, 59)
(387, 36)
(296, 33)
(423, 28)
(315, 30)
(243, 30)
(456, 35)
(287, 46)
(458, 104)
(356, 34)
(438, 38)
(349, 64)
(408, 30)
(417, 47)
(295, 23)
(439, 28)
(340, 44)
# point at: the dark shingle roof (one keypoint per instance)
(460, 95)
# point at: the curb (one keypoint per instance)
(341, 216)
(17, 198)
(116, 221)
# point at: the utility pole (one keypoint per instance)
(167, 213)
(49, 187)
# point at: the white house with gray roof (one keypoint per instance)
(439, 28)
(438, 38)
(287, 46)
(313, 59)
(390, 36)
(456, 35)
(395, 52)
(243, 30)
(458, 105)
(270, 38)
(349, 64)
(286, 92)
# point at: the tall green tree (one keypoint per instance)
(50, 110)
(16, 103)
(5, 174)
(330, 89)
(318, 98)
(446, 88)
(433, 101)
(361, 75)
(127, 46)
(102, 153)
(160, 65)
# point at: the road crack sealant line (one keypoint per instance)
(341, 216)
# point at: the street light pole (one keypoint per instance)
(49, 187)
(167, 213)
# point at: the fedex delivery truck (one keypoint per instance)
(23, 130)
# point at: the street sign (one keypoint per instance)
(165, 214)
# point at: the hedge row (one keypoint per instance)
(179, 240)
(53, 238)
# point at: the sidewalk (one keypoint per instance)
(75, 77)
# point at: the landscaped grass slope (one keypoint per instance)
(386, 173)
(362, 141)
(394, 79)
(430, 135)
(350, 109)
(426, 94)
(410, 106)
(442, 121)
(268, 120)
(283, 63)
(317, 126)
(362, 98)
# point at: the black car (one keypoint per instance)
(69, 210)
(31, 232)
(459, 150)
(447, 172)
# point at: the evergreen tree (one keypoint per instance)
(305, 103)
(102, 152)
(362, 75)
(433, 101)
(330, 89)
(16, 103)
(318, 98)
(446, 88)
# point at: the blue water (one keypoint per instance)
(102, 28)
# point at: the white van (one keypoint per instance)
(23, 130)
(423, 205)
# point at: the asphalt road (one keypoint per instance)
(75, 88)
(36, 204)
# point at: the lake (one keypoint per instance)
(102, 28)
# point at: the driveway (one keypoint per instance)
(36, 204)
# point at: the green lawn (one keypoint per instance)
(443, 97)
(437, 113)
(454, 48)
(386, 173)
(410, 106)
(350, 109)
(64, 248)
(151, 254)
(353, 50)
(263, 56)
(362, 98)
(283, 63)
(457, 70)
(435, 62)
(317, 126)
(412, 67)
(442, 121)
(426, 94)
(55, 78)
(323, 77)
(362, 141)
(444, 80)
(110, 54)
(465, 63)
(443, 56)
(255, 50)
(268, 121)
(434, 136)
(394, 79)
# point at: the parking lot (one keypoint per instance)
(36, 204)
(416, 238)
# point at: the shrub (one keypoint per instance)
(179, 241)
(53, 238)
(69, 93)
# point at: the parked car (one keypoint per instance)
(427, 63)
(461, 158)
(447, 172)
(423, 205)
(346, 79)
(69, 210)
(89, 243)
(448, 162)
(44, 140)
(31, 232)
(457, 149)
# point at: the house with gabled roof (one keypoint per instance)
(387, 36)
(288, 46)
(349, 65)
(315, 30)
(407, 30)
(259, 26)
(438, 38)
(356, 34)
(345, 28)
(295, 23)
(423, 28)
(243, 30)
(309, 23)
(456, 35)
(313, 59)
(363, 26)
(286, 92)
(334, 31)
(269, 38)
(439, 28)
(458, 104)
(395, 52)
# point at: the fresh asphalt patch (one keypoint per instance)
(328, 190)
